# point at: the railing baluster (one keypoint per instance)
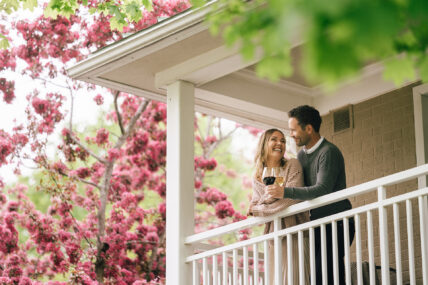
(277, 252)
(335, 246)
(215, 269)
(423, 215)
(235, 267)
(204, 271)
(290, 259)
(302, 268)
(324, 255)
(347, 250)
(256, 263)
(225, 266)
(266, 262)
(397, 241)
(209, 277)
(383, 236)
(410, 242)
(245, 265)
(312, 254)
(196, 273)
(358, 249)
(372, 267)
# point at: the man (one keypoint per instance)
(324, 172)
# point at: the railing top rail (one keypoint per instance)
(307, 225)
(315, 203)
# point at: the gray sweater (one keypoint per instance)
(324, 173)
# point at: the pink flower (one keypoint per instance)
(6, 148)
(162, 210)
(99, 99)
(83, 172)
(210, 139)
(213, 196)
(7, 87)
(59, 167)
(102, 136)
(224, 209)
(40, 106)
(113, 154)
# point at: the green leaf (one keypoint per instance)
(10, 5)
(399, 69)
(148, 5)
(273, 67)
(248, 50)
(4, 43)
(133, 11)
(85, 2)
(30, 4)
(116, 24)
(50, 13)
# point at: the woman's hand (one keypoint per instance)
(275, 191)
(250, 210)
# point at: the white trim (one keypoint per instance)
(283, 84)
(418, 91)
(206, 67)
(223, 107)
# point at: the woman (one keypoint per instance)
(270, 153)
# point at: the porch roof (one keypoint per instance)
(182, 48)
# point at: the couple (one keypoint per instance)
(319, 170)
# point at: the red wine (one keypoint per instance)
(269, 180)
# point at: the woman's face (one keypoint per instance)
(275, 146)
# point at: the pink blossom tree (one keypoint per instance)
(103, 175)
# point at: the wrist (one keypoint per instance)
(286, 192)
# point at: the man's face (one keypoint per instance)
(300, 136)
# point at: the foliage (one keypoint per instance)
(98, 225)
(338, 37)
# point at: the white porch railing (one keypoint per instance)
(243, 263)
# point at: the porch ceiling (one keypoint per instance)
(181, 48)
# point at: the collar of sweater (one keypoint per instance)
(314, 148)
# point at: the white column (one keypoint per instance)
(179, 181)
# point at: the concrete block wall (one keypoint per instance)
(382, 142)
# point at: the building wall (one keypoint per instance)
(382, 142)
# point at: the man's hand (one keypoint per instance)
(275, 191)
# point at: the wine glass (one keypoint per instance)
(272, 175)
(268, 176)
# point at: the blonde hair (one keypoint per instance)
(261, 153)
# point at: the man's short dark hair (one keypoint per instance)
(306, 115)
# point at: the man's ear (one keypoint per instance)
(309, 129)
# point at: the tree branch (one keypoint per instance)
(131, 124)
(100, 263)
(119, 117)
(81, 180)
(76, 141)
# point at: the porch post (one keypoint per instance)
(179, 181)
